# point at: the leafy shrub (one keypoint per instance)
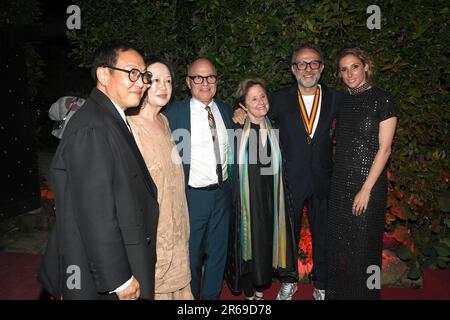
(254, 37)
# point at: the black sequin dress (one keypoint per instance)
(355, 242)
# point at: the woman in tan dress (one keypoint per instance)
(152, 134)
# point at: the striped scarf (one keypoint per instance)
(279, 227)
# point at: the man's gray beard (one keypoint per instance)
(302, 84)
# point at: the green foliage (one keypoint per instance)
(254, 37)
(19, 12)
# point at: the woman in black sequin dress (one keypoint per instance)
(364, 132)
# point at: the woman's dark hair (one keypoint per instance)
(153, 59)
(148, 62)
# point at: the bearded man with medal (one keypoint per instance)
(304, 114)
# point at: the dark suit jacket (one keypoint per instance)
(308, 166)
(106, 208)
(179, 115)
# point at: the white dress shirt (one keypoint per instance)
(308, 100)
(203, 159)
(122, 114)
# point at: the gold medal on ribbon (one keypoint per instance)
(308, 121)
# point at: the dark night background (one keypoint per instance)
(242, 38)
(35, 50)
(61, 75)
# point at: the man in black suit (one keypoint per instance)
(304, 114)
(103, 245)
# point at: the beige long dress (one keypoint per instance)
(172, 275)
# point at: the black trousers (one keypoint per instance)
(317, 216)
(248, 287)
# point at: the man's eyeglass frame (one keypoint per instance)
(306, 64)
(146, 76)
(207, 78)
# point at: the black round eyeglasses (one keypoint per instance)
(134, 74)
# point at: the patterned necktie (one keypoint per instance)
(212, 127)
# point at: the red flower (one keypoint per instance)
(44, 193)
